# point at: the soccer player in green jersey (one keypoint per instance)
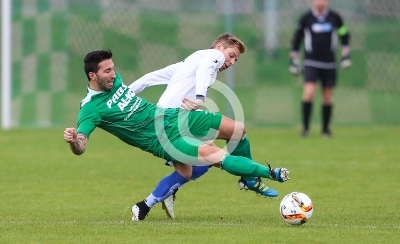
(173, 134)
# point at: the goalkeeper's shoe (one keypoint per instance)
(168, 205)
(279, 174)
(326, 133)
(258, 186)
(139, 211)
(305, 133)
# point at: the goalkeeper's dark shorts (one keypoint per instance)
(327, 77)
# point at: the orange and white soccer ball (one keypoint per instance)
(296, 208)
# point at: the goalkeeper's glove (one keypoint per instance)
(294, 66)
(345, 62)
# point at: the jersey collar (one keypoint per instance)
(318, 15)
(93, 92)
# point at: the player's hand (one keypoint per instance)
(345, 62)
(70, 135)
(294, 66)
(189, 104)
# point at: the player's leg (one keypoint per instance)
(165, 187)
(328, 79)
(230, 128)
(182, 149)
(238, 165)
(213, 125)
(193, 174)
(170, 183)
(309, 87)
(196, 172)
(195, 152)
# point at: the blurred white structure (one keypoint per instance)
(6, 64)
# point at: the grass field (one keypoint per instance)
(48, 195)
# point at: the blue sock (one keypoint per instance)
(165, 188)
(199, 171)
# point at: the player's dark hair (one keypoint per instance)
(229, 40)
(93, 59)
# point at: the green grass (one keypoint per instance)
(48, 195)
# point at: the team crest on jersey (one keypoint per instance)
(321, 27)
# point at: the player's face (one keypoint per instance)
(103, 79)
(320, 5)
(231, 54)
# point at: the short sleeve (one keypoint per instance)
(88, 119)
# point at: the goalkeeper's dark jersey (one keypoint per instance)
(320, 34)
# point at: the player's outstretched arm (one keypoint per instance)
(77, 141)
(158, 77)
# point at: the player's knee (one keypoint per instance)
(210, 155)
(239, 131)
(184, 170)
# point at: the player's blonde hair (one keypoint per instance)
(229, 40)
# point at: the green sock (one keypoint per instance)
(240, 148)
(244, 167)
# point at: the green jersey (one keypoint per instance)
(169, 133)
(121, 113)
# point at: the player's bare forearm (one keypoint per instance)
(79, 146)
(77, 141)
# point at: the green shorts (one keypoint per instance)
(185, 132)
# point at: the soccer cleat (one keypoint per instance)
(305, 133)
(258, 186)
(139, 211)
(326, 133)
(168, 205)
(279, 174)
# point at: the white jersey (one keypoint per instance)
(190, 78)
(158, 77)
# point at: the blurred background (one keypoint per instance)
(51, 37)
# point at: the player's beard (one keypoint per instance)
(102, 84)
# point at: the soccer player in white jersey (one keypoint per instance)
(188, 82)
(173, 134)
